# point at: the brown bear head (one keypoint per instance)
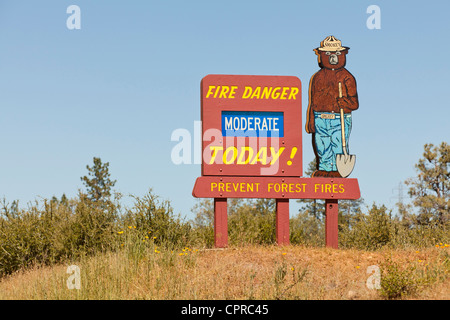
(331, 59)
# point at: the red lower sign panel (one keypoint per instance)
(277, 188)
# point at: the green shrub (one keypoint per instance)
(251, 221)
(367, 231)
(156, 219)
(25, 238)
(306, 229)
(52, 231)
(396, 282)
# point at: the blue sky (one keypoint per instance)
(118, 87)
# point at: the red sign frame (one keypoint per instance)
(269, 156)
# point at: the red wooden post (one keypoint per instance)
(282, 221)
(220, 223)
(331, 223)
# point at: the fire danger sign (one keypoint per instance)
(251, 125)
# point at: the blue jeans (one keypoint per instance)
(328, 138)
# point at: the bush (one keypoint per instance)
(252, 222)
(54, 231)
(367, 231)
(307, 230)
(249, 222)
(397, 282)
(155, 218)
(25, 238)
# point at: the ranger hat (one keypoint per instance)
(331, 44)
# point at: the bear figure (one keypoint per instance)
(331, 89)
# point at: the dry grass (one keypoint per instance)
(253, 272)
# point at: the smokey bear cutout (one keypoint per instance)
(332, 98)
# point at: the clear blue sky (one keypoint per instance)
(118, 87)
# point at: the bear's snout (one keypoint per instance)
(333, 59)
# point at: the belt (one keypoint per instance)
(327, 115)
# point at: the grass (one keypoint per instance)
(248, 272)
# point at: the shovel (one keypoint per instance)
(344, 162)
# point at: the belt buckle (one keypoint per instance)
(328, 116)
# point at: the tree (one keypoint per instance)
(204, 213)
(430, 190)
(312, 207)
(98, 183)
(64, 200)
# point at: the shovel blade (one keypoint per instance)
(345, 164)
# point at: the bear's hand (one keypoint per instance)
(310, 128)
(343, 102)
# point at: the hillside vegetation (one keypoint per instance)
(147, 251)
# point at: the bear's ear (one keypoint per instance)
(317, 52)
(345, 51)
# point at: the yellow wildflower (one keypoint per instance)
(120, 232)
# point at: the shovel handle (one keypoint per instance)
(342, 122)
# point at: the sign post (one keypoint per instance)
(220, 222)
(331, 223)
(282, 218)
(252, 148)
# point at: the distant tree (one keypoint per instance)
(265, 206)
(15, 206)
(312, 207)
(64, 199)
(204, 213)
(98, 183)
(430, 190)
(348, 210)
